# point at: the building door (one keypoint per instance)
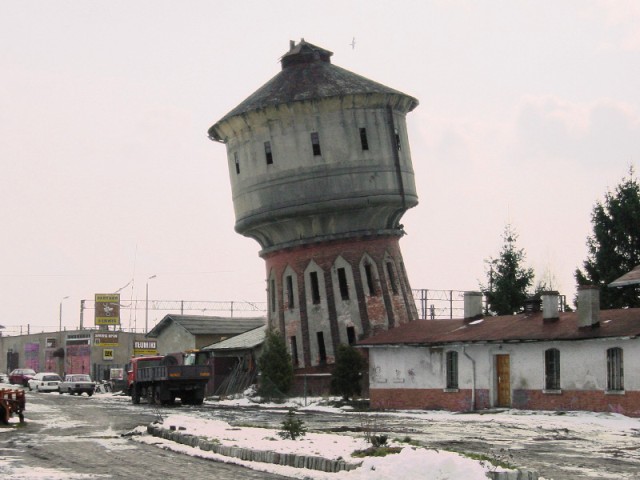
(504, 381)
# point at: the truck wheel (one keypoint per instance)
(151, 395)
(4, 415)
(186, 398)
(135, 396)
(89, 393)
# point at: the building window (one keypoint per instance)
(342, 282)
(294, 350)
(237, 162)
(272, 285)
(290, 297)
(397, 137)
(392, 278)
(267, 153)
(552, 369)
(615, 370)
(452, 370)
(370, 283)
(351, 335)
(363, 139)
(315, 143)
(322, 353)
(315, 288)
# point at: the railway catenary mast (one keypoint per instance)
(321, 175)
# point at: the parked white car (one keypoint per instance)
(45, 382)
(77, 383)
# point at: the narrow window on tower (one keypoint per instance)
(363, 139)
(237, 162)
(344, 286)
(290, 297)
(273, 295)
(315, 288)
(267, 153)
(315, 143)
(370, 284)
(392, 278)
(351, 335)
(294, 351)
(322, 353)
(397, 135)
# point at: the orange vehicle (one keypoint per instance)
(161, 379)
(11, 401)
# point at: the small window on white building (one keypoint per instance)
(615, 370)
(237, 162)
(552, 369)
(452, 370)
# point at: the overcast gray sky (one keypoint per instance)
(529, 111)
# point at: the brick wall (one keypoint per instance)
(376, 312)
(589, 400)
(460, 401)
(427, 399)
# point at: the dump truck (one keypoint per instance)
(164, 378)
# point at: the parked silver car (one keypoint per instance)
(45, 382)
(77, 383)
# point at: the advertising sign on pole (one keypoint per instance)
(107, 309)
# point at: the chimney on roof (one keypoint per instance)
(472, 305)
(588, 306)
(292, 43)
(531, 305)
(550, 306)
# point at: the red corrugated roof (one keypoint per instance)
(523, 327)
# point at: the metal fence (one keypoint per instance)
(439, 304)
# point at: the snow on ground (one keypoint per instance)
(410, 463)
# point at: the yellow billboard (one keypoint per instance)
(107, 310)
(145, 347)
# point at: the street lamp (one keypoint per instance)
(60, 318)
(60, 364)
(146, 306)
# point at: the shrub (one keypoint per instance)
(292, 427)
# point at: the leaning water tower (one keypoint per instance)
(321, 176)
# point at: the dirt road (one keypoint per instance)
(70, 437)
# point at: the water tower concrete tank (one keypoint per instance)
(321, 175)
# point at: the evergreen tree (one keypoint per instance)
(508, 280)
(275, 367)
(347, 372)
(614, 246)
